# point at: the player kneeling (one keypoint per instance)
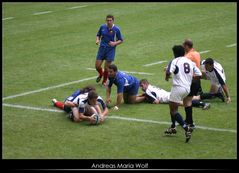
(92, 109)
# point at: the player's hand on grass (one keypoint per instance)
(228, 100)
(92, 120)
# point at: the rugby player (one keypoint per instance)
(183, 70)
(156, 95)
(127, 87)
(108, 36)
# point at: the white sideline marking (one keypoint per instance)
(120, 117)
(43, 12)
(206, 51)
(31, 108)
(154, 63)
(48, 88)
(8, 18)
(133, 72)
(77, 7)
(231, 45)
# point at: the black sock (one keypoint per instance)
(189, 114)
(197, 103)
(207, 96)
(179, 119)
(173, 121)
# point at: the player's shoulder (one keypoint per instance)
(116, 27)
(99, 98)
(103, 25)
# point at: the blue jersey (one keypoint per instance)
(124, 82)
(109, 34)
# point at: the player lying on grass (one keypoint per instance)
(156, 95)
(71, 101)
(213, 71)
(87, 107)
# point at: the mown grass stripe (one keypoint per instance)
(121, 118)
(48, 88)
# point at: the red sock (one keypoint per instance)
(59, 105)
(105, 77)
(100, 71)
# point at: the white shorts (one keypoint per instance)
(178, 93)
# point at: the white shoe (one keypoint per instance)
(206, 106)
(54, 101)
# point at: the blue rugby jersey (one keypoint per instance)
(122, 81)
(106, 34)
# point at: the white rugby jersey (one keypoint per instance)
(154, 93)
(80, 97)
(217, 75)
(82, 102)
(183, 69)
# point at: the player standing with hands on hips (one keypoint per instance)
(108, 36)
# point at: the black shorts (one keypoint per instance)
(195, 87)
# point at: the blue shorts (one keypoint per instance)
(106, 53)
(132, 90)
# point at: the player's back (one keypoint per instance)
(158, 93)
(194, 56)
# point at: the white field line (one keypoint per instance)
(120, 118)
(206, 51)
(132, 72)
(43, 12)
(75, 7)
(48, 88)
(154, 63)
(231, 45)
(8, 18)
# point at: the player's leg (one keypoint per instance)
(187, 101)
(109, 58)
(99, 60)
(58, 104)
(98, 67)
(126, 97)
(133, 92)
(105, 75)
(176, 96)
(213, 93)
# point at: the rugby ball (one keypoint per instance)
(96, 118)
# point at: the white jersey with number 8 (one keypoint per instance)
(183, 69)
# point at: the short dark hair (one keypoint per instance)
(178, 50)
(110, 16)
(92, 95)
(188, 42)
(113, 67)
(209, 61)
(145, 81)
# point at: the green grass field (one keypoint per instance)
(44, 50)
